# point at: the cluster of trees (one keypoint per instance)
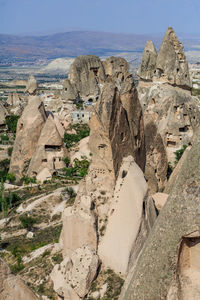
(82, 131)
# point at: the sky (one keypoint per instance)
(122, 16)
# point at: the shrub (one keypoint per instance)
(28, 180)
(66, 161)
(57, 258)
(179, 153)
(10, 177)
(27, 222)
(16, 268)
(4, 167)
(10, 150)
(11, 122)
(79, 170)
(4, 137)
(71, 193)
(82, 131)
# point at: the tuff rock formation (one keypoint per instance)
(12, 287)
(168, 267)
(85, 74)
(3, 114)
(171, 114)
(147, 68)
(114, 181)
(171, 63)
(28, 132)
(32, 86)
(49, 151)
(88, 74)
(118, 69)
(38, 149)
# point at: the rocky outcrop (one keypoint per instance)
(175, 114)
(12, 287)
(88, 74)
(73, 277)
(49, 152)
(147, 68)
(172, 249)
(28, 132)
(85, 74)
(118, 69)
(3, 114)
(156, 156)
(171, 63)
(126, 213)
(38, 149)
(70, 91)
(114, 187)
(32, 86)
(171, 114)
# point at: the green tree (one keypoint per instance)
(179, 153)
(11, 122)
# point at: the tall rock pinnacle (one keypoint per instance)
(171, 63)
(148, 65)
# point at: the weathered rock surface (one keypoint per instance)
(78, 272)
(13, 99)
(156, 156)
(160, 200)
(28, 132)
(171, 114)
(12, 287)
(85, 74)
(3, 114)
(32, 86)
(116, 139)
(175, 113)
(117, 68)
(79, 225)
(176, 171)
(70, 91)
(49, 151)
(171, 63)
(125, 217)
(168, 267)
(147, 68)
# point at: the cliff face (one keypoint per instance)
(114, 181)
(171, 114)
(171, 251)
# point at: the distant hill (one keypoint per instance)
(68, 44)
(34, 49)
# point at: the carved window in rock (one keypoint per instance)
(52, 148)
(171, 143)
(184, 129)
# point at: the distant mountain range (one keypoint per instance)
(34, 49)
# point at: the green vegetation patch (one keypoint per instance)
(114, 285)
(4, 168)
(179, 153)
(78, 171)
(11, 122)
(22, 245)
(82, 131)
